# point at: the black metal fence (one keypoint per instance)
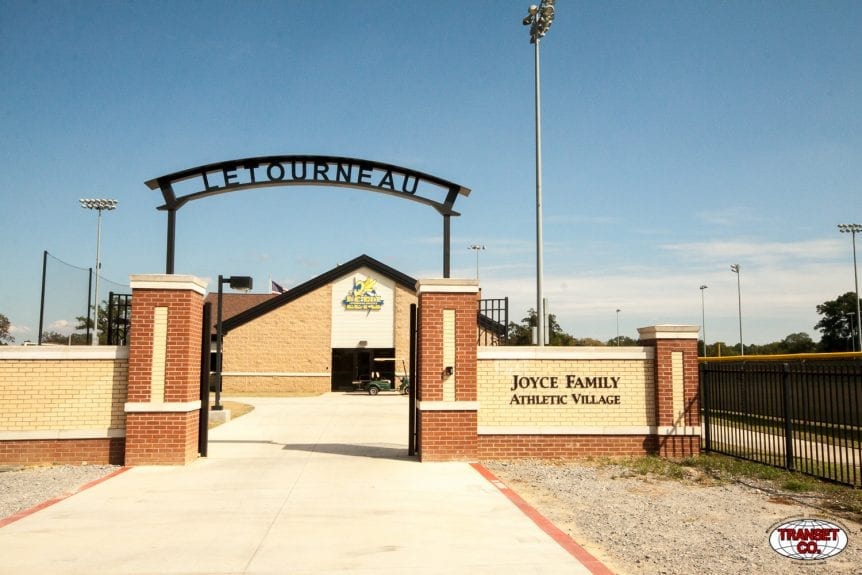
(119, 318)
(799, 415)
(493, 321)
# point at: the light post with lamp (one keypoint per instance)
(618, 327)
(735, 269)
(853, 229)
(539, 19)
(243, 283)
(99, 205)
(703, 316)
(477, 248)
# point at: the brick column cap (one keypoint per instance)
(446, 285)
(669, 331)
(168, 282)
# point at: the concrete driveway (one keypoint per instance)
(300, 486)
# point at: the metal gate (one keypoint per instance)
(203, 422)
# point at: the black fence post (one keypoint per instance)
(112, 318)
(788, 418)
(42, 303)
(89, 310)
(704, 405)
(203, 420)
(412, 443)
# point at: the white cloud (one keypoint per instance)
(780, 284)
(733, 216)
(19, 330)
(62, 326)
(760, 252)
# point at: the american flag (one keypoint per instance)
(275, 287)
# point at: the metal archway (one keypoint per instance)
(298, 170)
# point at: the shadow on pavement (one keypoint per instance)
(354, 450)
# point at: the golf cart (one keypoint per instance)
(377, 383)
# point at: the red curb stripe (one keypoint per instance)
(45, 504)
(563, 540)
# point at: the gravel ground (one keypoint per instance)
(25, 487)
(643, 525)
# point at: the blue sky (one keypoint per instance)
(678, 138)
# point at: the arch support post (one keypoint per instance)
(446, 244)
(172, 241)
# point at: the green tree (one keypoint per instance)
(57, 338)
(5, 337)
(522, 333)
(721, 349)
(624, 340)
(836, 325)
(798, 343)
(87, 322)
(587, 342)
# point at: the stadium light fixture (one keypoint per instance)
(477, 248)
(99, 205)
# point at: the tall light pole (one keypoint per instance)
(853, 229)
(735, 269)
(99, 205)
(618, 327)
(539, 19)
(703, 316)
(477, 248)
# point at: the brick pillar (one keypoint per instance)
(677, 404)
(163, 403)
(446, 360)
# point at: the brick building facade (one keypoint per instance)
(321, 335)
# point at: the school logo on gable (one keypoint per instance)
(363, 296)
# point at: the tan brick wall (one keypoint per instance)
(62, 405)
(555, 407)
(403, 299)
(62, 394)
(239, 384)
(287, 342)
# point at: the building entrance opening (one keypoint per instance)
(361, 364)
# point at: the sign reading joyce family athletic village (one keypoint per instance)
(576, 390)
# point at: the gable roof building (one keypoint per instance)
(322, 335)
